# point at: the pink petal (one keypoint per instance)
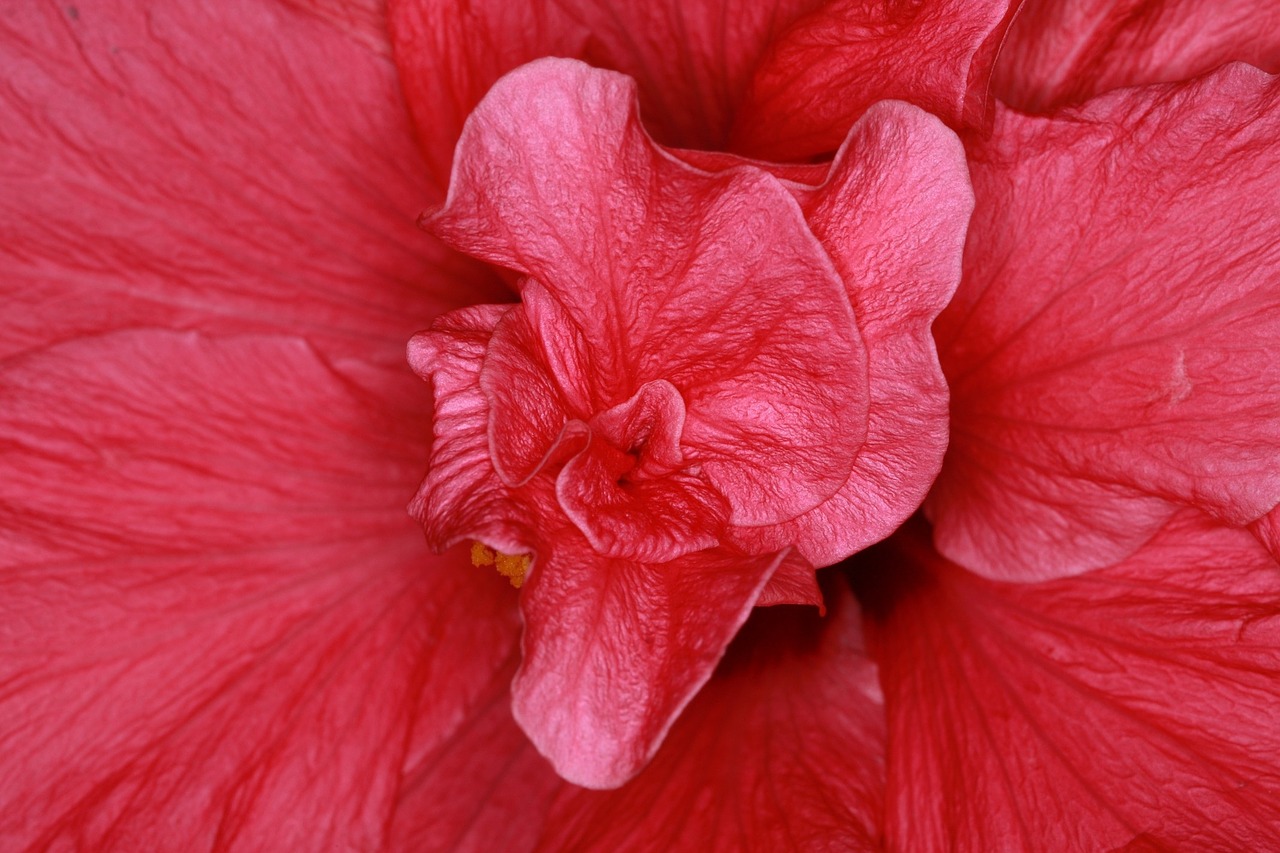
(1111, 349)
(462, 496)
(144, 187)
(692, 60)
(536, 379)
(710, 282)
(1063, 53)
(625, 508)
(1131, 705)
(615, 649)
(782, 750)
(936, 54)
(892, 211)
(207, 574)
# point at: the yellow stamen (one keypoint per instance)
(512, 567)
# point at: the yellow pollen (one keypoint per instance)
(513, 568)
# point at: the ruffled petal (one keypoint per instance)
(207, 573)
(692, 60)
(711, 282)
(144, 187)
(1130, 705)
(782, 750)
(936, 54)
(615, 649)
(893, 212)
(1111, 349)
(1065, 53)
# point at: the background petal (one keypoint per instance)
(1133, 702)
(219, 628)
(1063, 53)
(936, 54)
(240, 167)
(1111, 349)
(692, 60)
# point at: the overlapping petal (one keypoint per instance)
(1064, 53)
(936, 54)
(1130, 705)
(1111, 349)
(692, 61)
(781, 750)
(713, 283)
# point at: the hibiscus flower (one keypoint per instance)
(221, 629)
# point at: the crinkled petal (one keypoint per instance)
(143, 186)
(1267, 529)
(1130, 705)
(1111, 349)
(782, 750)
(207, 573)
(936, 54)
(462, 496)
(893, 212)
(627, 514)
(1061, 53)
(615, 649)
(711, 282)
(692, 60)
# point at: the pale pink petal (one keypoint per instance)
(1133, 705)
(233, 166)
(1111, 349)
(893, 212)
(781, 750)
(832, 64)
(711, 282)
(615, 649)
(219, 629)
(1060, 53)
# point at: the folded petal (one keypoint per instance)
(1131, 705)
(614, 649)
(713, 283)
(893, 211)
(1064, 53)
(143, 186)
(936, 54)
(207, 574)
(782, 749)
(1111, 349)
(692, 60)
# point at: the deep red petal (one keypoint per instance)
(614, 649)
(692, 60)
(1135, 703)
(1063, 53)
(893, 213)
(936, 54)
(220, 630)
(143, 185)
(1111, 349)
(711, 282)
(782, 750)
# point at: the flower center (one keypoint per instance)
(512, 567)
